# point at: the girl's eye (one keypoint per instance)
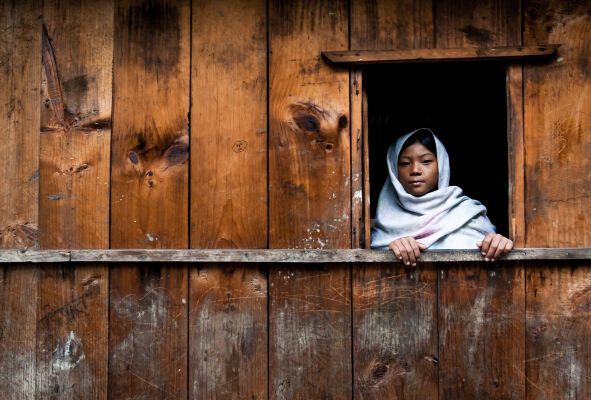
(403, 164)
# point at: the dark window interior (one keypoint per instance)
(464, 104)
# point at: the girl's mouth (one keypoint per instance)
(416, 183)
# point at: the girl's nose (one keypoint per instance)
(416, 168)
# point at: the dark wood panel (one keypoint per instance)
(481, 331)
(149, 198)
(20, 71)
(229, 124)
(310, 332)
(228, 332)
(76, 93)
(558, 341)
(395, 331)
(72, 331)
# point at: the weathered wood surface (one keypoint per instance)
(228, 332)
(76, 95)
(558, 198)
(394, 332)
(72, 331)
(149, 198)
(229, 124)
(509, 53)
(357, 160)
(277, 255)
(20, 70)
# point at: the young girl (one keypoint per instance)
(417, 209)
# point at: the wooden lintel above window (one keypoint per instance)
(510, 53)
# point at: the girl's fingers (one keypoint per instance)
(422, 246)
(395, 249)
(415, 248)
(403, 253)
(486, 243)
(493, 247)
(500, 249)
(409, 251)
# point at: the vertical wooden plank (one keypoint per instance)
(72, 332)
(149, 192)
(20, 70)
(149, 198)
(76, 95)
(557, 122)
(516, 151)
(229, 124)
(357, 160)
(558, 326)
(557, 198)
(484, 354)
(228, 303)
(228, 332)
(394, 308)
(309, 200)
(395, 335)
(481, 320)
(309, 332)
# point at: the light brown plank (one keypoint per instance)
(481, 332)
(228, 332)
(391, 304)
(357, 160)
(395, 332)
(558, 325)
(309, 332)
(76, 95)
(72, 331)
(149, 198)
(511, 53)
(20, 70)
(229, 124)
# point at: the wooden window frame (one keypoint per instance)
(513, 56)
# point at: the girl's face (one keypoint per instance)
(418, 171)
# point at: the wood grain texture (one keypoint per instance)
(386, 24)
(149, 171)
(20, 69)
(309, 156)
(149, 198)
(557, 126)
(395, 332)
(357, 160)
(18, 319)
(391, 305)
(481, 332)
(228, 332)
(148, 331)
(72, 331)
(76, 93)
(310, 332)
(229, 124)
(558, 340)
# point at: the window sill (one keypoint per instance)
(276, 255)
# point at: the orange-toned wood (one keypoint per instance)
(481, 331)
(357, 160)
(149, 198)
(150, 147)
(20, 68)
(395, 332)
(72, 331)
(510, 53)
(558, 341)
(309, 200)
(228, 332)
(76, 93)
(229, 124)
(310, 332)
(481, 322)
(516, 154)
(557, 122)
(392, 305)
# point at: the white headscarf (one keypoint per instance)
(441, 219)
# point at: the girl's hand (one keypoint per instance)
(407, 249)
(494, 246)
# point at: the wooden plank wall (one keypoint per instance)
(216, 124)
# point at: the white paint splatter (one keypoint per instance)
(68, 356)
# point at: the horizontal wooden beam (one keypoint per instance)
(510, 53)
(275, 256)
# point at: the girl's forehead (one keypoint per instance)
(414, 149)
